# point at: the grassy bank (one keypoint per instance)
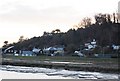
(65, 58)
(76, 63)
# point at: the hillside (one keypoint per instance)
(104, 31)
(105, 34)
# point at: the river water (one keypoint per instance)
(20, 72)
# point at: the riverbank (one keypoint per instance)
(22, 72)
(106, 67)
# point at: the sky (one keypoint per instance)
(31, 18)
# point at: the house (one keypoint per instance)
(9, 50)
(90, 45)
(36, 50)
(53, 51)
(59, 51)
(79, 53)
(105, 56)
(27, 53)
(17, 52)
(49, 51)
(12, 51)
(93, 42)
(115, 47)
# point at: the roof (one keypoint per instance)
(51, 48)
(27, 52)
(36, 50)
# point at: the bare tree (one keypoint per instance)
(114, 18)
(102, 18)
(85, 22)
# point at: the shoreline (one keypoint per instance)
(64, 65)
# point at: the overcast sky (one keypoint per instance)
(32, 17)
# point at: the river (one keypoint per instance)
(20, 72)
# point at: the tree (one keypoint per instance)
(45, 33)
(86, 22)
(109, 18)
(102, 18)
(118, 17)
(114, 18)
(21, 39)
(56, 31)
(99, 18)
(53, 31)
(6, 43)
(70, 48)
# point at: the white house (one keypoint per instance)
(52, 51)
(79, 53)
(49, 51)
(93, 42)
(115, 47)
(35, 50)
(90, 45)
(59, 50)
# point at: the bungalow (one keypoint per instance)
(79, 53)
(27, 53)
(49, 51)
(12, 51)
(36, 50)
(53, 51)
(59, 51)
(9, 50)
